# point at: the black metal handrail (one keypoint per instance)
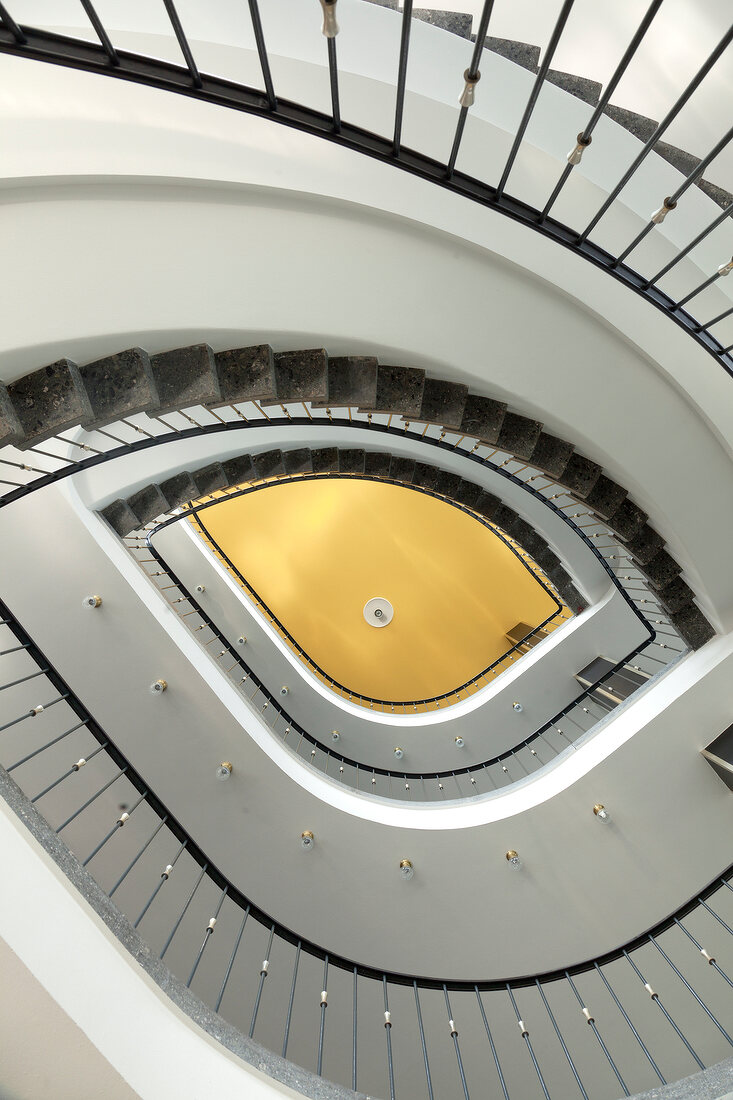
(591, 981)
(193, 511)
(188, 80)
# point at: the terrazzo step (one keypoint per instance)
(521, 53)
(398, 392)
(299, 376)
(692, 626)
(351, 381)
(582, 87)
(246, 374)
(627, 520)
(185, 377)
(483, 418)
(48, 401)
(425, 476)
(377, 463)
(580, 475)
(551, 455)
(148, 503)
(455, 22)
(209, 478)
(11, 430)
(118, 386)
(351, 460)
(401, 468)
(606, 497)
(238, 470)
(519, 435)
(298, 461)
(179, 489)
(443, 403)
(269, 464)
(121, 518)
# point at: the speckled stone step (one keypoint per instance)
(401, 468)
(580, 475)
(483, 418)
(644, 544)
(443, 403)
(351, 381)
(399, 391)
(185, 377)
(425, 475)
(627, 520)
(300, 376)
(660, 569)
(675, 595)
(638, 125)
(519, 435)
(551, 455)
(298, 461)
(582, 87)
(48, 401)
(120, 517)
(377, 463)
(11, 430)
(467, 493)
(118, 386)
(269, 463)
(239, 470)
(455, 22)
(325, 460)
(148, 503)
(351, 460)
(246, 374)
(692, 626)
(521, 53)
(605, 497)
(179, 489)
(209, 478)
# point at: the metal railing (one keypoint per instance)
(188, 79)
(652, 1010)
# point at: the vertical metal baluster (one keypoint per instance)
(454, 1036)
(144, 848)
(263, 975)
(290, 1003)
(207, 936)
(525, 1036)
(183, 43)
(231, 960)
(401, 79)
(12, 25)
(324, 1006)
(94, 797)
(334, 80)
(117, 825)
(266, 76)
(655, 997)
(471, 76)
(635, 1033)
(184, 911)
(163, 879)
(491, 1043)
(566, 1052)
(100, 31)
(596, 1032)
(353, 1036)
(48, 745)
(687, 986)
(422, 1042)
(388, 1034)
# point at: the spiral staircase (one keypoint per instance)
(247, 268)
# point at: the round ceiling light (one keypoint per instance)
(378, 611)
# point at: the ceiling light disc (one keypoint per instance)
(378, 611)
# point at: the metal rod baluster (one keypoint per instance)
(254, 12)
(353, 1035)
(290, 1003)
(388, 1034)
(454, 1036)
(263, 975)
(525, 1036)
(655, 997)
(100, 31)
(231, 960)
(184, 910)
(661, 128)
(688, 248)
(689, 988)
(324, 1006)
(95, 796)
(592, 1023)
(207, 935)
(163, 879)
(566, 1052)
(334, 81)
(584, 137)
(43, 748)
(12, 25)
(144, 848)
(491, 1043)
(422, 1042)
(635, 1033)
(536, 89)
(402, 76)
(183, 43)
(117, 825)
(472, 75)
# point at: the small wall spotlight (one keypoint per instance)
(224, 771)
(399, 753)
(459, 742)
(517, 707)
(513, 859)
(307, 840)
(406, 869)
(92, 601)
(158, 687)
(601, 813)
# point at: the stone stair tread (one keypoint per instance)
(551, 455)
(644, 544)
(179, 489)
(268, 463)
(675, 595)
(377, 463)
(11, 430)
(455, 22)
(148, 503)
(678, 158)
(443, 403)
(352, 381)
(48, 401)
(605, 497)
(628, 519)
(692, 626)
(118, 386)
(325, 460)
(351, 460)
(399, 391)
(486, 505)
(638, 125)
(582, 87)
(246, 374)
(519, 435)
(425, 475)
(120, 517)
(521, 53)
(239, 470)
(467, 493)
(209, 478)
(661, 569)
(185, 377)
(300, 376)
(298, 461)
(483, 418)
(402, 468)
(580, 475)
(719, 195)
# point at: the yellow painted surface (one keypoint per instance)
(316, 551)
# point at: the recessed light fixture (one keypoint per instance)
(517, 707)
(307, 840)
(92, 601)
(224, 771)
(406, 869)
(158, 687)
(459, 742)
(513, 859)
(399, 753)
(601, 813)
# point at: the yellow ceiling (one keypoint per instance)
(316, 551)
